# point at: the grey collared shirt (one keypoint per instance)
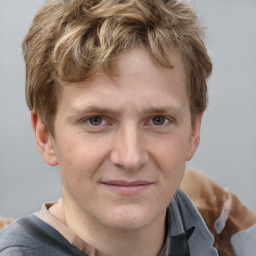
(187, 233)
(43, 234)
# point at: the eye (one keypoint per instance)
(159, 120)
(96, 121)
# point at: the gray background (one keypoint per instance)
(228, 142)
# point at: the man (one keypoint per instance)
(117, 90)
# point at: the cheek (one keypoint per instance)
(173, 165)
(170, 158)
(170, 151)
(79, 157)
(76, 167)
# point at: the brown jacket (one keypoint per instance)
(210, 199)
(4, 222)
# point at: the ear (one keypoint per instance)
(44, 140)
(194, 138)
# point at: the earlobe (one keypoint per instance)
(44, 140)
(195, 138)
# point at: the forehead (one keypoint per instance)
(136, 79)
(139, 57)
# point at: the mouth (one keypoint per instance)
(126, 187)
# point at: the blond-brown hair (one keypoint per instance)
(70, 40)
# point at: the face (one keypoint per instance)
(122, 141)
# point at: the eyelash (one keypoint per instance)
(164, 118)
(104, 122)
(89, 121)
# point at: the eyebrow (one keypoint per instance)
(94, 109)
(77, 111)
(163, 110)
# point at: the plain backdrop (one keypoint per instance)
(228, 142)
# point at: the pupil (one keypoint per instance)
(95, 120)
(159, 120)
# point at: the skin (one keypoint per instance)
(121, 143)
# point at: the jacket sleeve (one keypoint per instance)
(230, 222)
(14, 251)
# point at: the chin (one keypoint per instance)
(130, 218)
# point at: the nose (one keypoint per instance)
(128, 151)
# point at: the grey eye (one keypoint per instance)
(158, 120)
(95, 120)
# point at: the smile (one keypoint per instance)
(127, 188)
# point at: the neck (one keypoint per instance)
(146, 241)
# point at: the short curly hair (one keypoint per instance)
(70, 40)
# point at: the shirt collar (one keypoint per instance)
(181, 219)
(187, 232)
(176, 245)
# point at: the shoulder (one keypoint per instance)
(32, 236)
(24, 233)
(17, 251)
(232, 223)
(14, 238)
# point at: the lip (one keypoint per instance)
(127, 187)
